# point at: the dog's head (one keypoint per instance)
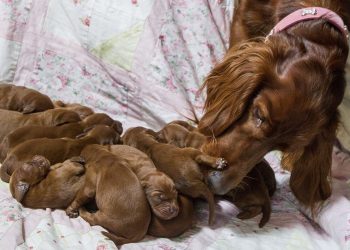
(30, 173)
(161, 195)
(281, 94)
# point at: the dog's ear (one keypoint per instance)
(28, 109)
(231, 85)
(78, 159)
(311, 170)
(21, 189)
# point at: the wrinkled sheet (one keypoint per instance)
(141, 62)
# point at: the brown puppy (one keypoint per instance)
(11, 120)
(69, 130)
(175, 226)
(180, 164)
(159, 188)
(252, 196)
(81, 110)
(122, 205)
(181, 137)
(22, 99)
(55, 150)
(37, 185)
(184, 124)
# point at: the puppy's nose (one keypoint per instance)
(174, 210)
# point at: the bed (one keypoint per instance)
(142, 62)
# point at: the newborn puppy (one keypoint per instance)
(55, 150)
(22, 99)
(37, 185)
(183, 165)
(81, 110)
(184, 124)
(11, 120)
(159, 188)
(69, 130)
(122, 205)
(181, 137)
(176, 226)
(252, 196)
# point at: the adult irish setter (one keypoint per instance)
(278, 88)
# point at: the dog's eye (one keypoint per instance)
(259, 119)
(162, 197)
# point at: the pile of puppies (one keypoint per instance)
(65, 156)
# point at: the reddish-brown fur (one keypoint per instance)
(22, 99)
(37, 185)
(81, 110)
(69, 130)
(159, 188)
(280, 93)
(55, 150)
(252, 196)
(11, 120)
(176, 226)
(183, 165)
(181, 137)
(121, 202)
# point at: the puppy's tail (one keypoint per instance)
(204, 192)
(118, 240)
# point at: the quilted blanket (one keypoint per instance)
(142, 62)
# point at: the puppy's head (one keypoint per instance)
(36, 102)
(174, 134)
(57, 117)
(103, 119)
(30, 173)
(104, 134)
(161, 195)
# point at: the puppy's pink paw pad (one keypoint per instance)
(221, 163)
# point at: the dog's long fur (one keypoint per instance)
(279, 93)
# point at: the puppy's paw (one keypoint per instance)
(72, 213)
(221, 163)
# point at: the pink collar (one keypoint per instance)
(309, 14)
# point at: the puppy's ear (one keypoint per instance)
(78, 159)
(20, 190)
(28, 109)
(231, 85)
